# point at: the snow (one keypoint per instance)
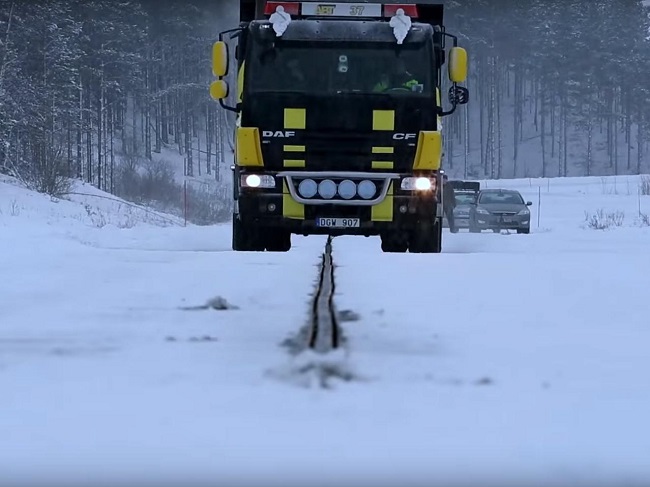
(507, 359)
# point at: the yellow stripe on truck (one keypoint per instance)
(295, 118)
(383, 150)
(428, 154)
(383, 120)
(383, 212)
(248, 148)
(382, 164)
(294, 148)
(290, 207)
(294, 163)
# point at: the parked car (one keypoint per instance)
(465, 193)
(499, 209)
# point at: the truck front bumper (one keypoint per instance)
(397, 212)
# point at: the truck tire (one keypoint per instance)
(426, 238)
(395, 241)
(278, 240)
(245, 237)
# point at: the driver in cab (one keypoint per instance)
(400, 79)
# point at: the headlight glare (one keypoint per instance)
(416, 184)
(258, 181)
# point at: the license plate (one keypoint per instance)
(337, 222)
(507, 219)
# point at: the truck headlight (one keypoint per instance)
(258, 181)
(524, 212)
(482, 211)
(416, 184)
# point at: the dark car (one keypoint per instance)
(499, 209)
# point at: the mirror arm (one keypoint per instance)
(444, 113)
(229, 108)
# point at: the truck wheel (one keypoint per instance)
(523, 230)
(245, 237)
(394, 242)
(426, 238)
(278, 240)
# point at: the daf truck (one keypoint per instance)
(338, 120)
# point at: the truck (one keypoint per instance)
(338, 120)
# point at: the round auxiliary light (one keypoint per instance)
(253, 181)
(327, 189)
(367, 189)
(347, 189)
(307, 188)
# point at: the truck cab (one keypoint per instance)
(338, 121)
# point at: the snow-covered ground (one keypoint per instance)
(508, 359)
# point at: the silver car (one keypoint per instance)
(463, 206)
(464, 194)
(499, 209)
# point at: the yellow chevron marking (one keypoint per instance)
(383, 212)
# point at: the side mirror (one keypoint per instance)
(219, 89)
(529, 203)
(219, 59)
(458, 95)
(457, 64)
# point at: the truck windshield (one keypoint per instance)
(334, 68)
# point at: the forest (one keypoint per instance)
(115, 93)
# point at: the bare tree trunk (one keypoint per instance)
(542, 103)
(498, 99)
(112, 138)
(516, 112)
(590, 135)
(3, 64)
(565, 132)
(482, 117)
(89, 142)
(134, 128)
(147, 105)
(80, 123)
(188, 142)
(100, 127)
(639, 143)
(208, 137)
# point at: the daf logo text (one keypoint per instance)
(278, 133)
